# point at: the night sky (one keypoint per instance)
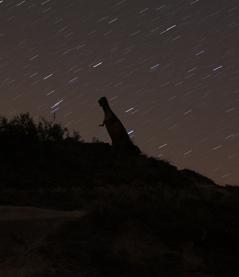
(170, 70)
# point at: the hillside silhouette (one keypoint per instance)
(94, 211)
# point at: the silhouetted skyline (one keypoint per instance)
(169, 69)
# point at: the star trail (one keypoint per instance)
(170, 70)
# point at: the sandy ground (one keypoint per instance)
(31, 244)
(22, 231)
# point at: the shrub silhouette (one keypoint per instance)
(24, 130)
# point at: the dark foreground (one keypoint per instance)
(73, 209)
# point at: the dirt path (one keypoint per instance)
(12, 213)
(23, 231)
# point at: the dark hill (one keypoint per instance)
(140, 216)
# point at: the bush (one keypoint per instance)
(24, 129)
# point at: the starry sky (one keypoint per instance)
(170, 69)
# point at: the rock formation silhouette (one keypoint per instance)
(117, 132)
